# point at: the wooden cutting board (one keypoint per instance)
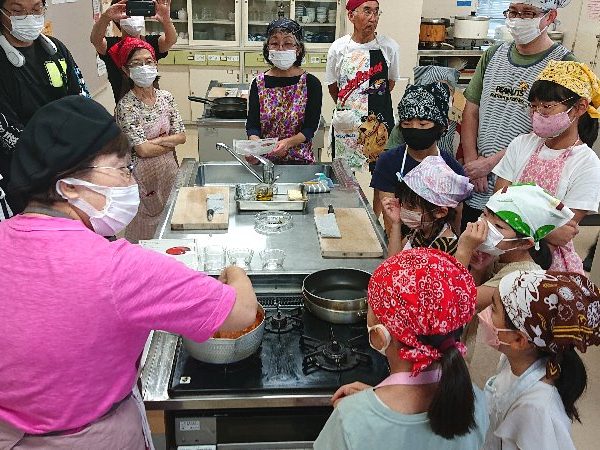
(358, 236)
(190, 209)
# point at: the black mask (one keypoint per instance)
(420, 139)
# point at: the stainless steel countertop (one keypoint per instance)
(301, 243)
(302, 257)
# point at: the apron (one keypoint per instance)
(546, 174)
(118, 429)
(282, 113)
(364, 116)
(499, 403)
(155, 177)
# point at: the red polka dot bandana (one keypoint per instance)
(422, 292)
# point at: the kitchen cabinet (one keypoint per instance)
(257, 14)
(231, 23)
(177, 82)
(203, 22)
(179, 16)
(215, 22)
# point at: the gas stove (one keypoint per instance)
(299, 354)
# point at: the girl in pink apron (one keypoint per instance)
(564, 103)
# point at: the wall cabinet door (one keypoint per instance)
(176, 80)
(215, 22)
(587, 40)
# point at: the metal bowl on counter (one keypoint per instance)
(233, 348)
(337, 295)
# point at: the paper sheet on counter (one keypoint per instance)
(184, 250)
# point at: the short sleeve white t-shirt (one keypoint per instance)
(579, 185)
(344, 45)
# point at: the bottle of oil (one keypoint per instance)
(264, 192)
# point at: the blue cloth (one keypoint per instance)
(362, 421)
(389, 162)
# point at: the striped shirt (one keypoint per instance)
(503, 110)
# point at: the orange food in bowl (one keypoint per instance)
(260, 316)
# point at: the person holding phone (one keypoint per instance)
(132, 27)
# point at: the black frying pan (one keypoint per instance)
(230, 111)
(238, 101)
(337, 295)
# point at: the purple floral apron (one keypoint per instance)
(282, 112)
(546, 174)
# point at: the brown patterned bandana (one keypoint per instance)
(556, 310)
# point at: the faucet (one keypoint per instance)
(268, 173)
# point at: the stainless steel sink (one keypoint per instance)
(232, 172)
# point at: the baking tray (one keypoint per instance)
(279, 203)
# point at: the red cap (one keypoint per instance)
(351, 5)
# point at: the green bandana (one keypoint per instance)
(529, 210)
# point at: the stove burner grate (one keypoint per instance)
(333, 355)
(280, 322)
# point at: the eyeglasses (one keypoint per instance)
(147, 62)
(368, 12)
(544, 110)
(286, 46)
(127, 170)
(513, 14)
(20, 14)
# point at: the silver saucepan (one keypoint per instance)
(224, 350)
(337, 295)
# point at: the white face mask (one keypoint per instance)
(26, 28)
(388, 338)
(493, 238)
(283, 59)
(143, 76)
(524, 31)
(119, 210)
(133, 26)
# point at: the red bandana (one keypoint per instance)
(351, 5)
(422, 292)
(121, 50)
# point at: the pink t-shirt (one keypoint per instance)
(75, 312)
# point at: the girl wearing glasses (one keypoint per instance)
(557, 155)
(285, 101)
(150, 119)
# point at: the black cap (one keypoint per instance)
(59, 136)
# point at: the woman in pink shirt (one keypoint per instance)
(77, 309)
